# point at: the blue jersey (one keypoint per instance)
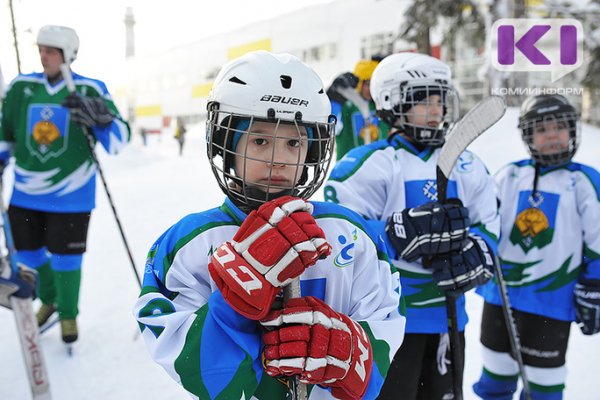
(215, 352)
(388, 176)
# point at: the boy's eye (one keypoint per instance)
(260, 141)
(561, 125)
(294, 143)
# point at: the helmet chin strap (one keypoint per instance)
(252, 197)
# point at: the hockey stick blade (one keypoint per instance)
(479, 119)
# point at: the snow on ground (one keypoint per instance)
(153, 187)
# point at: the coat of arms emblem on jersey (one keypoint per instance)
(47, 128)
(535, 219)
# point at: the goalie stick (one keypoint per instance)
(479, 119)
(27, 328)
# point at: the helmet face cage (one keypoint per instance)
(555, 150)
(424, 118)
(232, 162)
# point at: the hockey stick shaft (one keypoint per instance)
(298, 389)
(481, 117)
(461, 135)
(68, 77)
(456, 348)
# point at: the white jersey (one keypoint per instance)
(390, 175)
(547, 237)
(214, 352)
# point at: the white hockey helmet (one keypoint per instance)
(403, 80)
(60, 37)
(277, 88)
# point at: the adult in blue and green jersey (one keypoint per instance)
(44, 128)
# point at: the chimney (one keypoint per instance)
(129, 37)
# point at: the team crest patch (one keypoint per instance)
(534, 223)
(47, 131)
(419, 192)
(369, 131)
(531, 222)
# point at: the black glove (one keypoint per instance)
(88, 111)
(587, 306)
(2, 166)
(462, 270)
(342, 81)
(429, 229)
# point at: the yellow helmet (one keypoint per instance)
(363, 71)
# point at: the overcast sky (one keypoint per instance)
(99, 24)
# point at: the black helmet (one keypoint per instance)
(536, 112)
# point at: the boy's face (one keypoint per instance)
(428, 112)
(551, 136)
(365, 90)
(271, 157)
(51, 59)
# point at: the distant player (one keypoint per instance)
(358, 123)
(55, 186)
(550, 252)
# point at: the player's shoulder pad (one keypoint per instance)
(513, 168)
(34, 77)
(202, 222)
(345, 215)
(592, 175)
(468, 162)
(355, 158)
(96, 84)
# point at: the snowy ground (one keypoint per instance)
(152, 188)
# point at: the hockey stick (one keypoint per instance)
(298, 389)
(480, 118)
(68, 77)
(29, 337)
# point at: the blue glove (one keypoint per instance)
(88, 111)
(459, 271)
(587, 306)
(20, 283)
(429, 229)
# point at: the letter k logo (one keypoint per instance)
(506, 42)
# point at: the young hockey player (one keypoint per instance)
(54, 192)
(209, 309)
(358, 122)
(439, 248)
(550, 253)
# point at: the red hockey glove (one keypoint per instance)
(274, 245)
(321, 346)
